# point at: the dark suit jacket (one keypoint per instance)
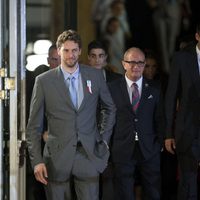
(193, 105)
(193, 117)
(183, 86)
(66, 123)
(148, 121)
(111, 76)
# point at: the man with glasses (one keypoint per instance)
(136, 140)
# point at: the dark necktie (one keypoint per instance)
(135, 97)
(72, 90)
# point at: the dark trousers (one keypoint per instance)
(106, 184)
(188, 173)
(169, 175)
(150, 176)
(34, 189)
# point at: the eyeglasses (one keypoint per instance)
(134, 63)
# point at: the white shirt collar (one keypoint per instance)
(66, 74)
(197, 50)
(198, 56)
(130, 82)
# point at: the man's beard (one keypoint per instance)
(71, 64)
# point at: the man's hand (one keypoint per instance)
(40, 172)
(170, 145)
(45, 136)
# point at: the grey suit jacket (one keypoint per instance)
(65, 123)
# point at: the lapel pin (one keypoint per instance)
(150, 96)
(89, 86)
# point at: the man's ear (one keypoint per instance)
(58, 51)
(124, 65)
(80, 50)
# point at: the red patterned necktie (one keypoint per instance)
(135, 97)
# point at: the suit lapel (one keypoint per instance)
(197, 87)
(85, 77)
(144, 94)
(59, 83)
(193, 66)
(123, 86)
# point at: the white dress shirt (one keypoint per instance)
(198, 56)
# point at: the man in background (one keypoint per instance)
(35, 190)
(53, 58)
(97, 57)
(53, 61)
(182, 107)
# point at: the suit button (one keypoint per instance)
(135, 120)
(136, 136)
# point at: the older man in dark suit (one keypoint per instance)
(137, 136)
(75, 148)
(182, 102)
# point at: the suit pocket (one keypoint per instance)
(100, 149)
(52, 147)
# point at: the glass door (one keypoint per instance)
(12, 99)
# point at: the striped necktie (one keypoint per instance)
(135, 97)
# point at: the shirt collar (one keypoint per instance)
(67, 74)
(198, 51)
(130, 82)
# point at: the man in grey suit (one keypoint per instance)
(76, 151)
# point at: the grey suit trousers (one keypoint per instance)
(84, 181)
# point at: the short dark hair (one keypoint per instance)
(71, 35)
(97, 44)
(149, 53)
(109, 22)
(115, 2)
(51, 48)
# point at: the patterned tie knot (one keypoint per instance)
(134, 85)
(135, 97)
